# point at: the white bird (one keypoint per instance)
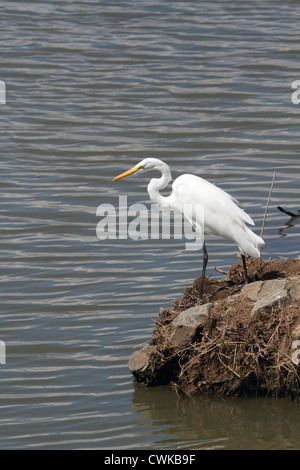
(221, 216)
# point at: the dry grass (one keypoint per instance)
(232, 354)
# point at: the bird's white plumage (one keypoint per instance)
(222, 216)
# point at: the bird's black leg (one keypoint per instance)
(245, 270)
(205, 258)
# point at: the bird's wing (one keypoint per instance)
(220, 208)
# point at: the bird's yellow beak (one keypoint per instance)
(126, 173)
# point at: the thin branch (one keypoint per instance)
(268, 203)
(220, 270)
(291, 214)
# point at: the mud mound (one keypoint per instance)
(258, 270)
(243, 342)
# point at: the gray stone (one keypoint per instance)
(295, 288)
(260, 289)
(251, 291)
(273, 287)
(186, 325)
(139, 360)
(264, 305)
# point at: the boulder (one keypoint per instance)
(139, 360)
(273, 293)
(295, 288)
(251, 291)
(186, 325)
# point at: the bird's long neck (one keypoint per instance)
(156, 184)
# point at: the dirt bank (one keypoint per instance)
(243, 343)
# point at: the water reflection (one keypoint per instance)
(218, 423)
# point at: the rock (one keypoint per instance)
(186, 325)
(251, 291)
(273, 287)
(295, 288)
(257, 290)
(272, 299)
(139, 360)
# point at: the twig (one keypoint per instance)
(227, 367)
(220, 270)
(291, 214)
(142, 344)
(268, 203)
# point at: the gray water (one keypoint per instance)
(92, 88)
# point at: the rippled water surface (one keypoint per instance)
(91, 89)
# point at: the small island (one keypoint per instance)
(237, 340)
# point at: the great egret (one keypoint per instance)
(222, 216)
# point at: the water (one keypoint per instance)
(91, 89)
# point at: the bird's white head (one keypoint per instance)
(148, 164)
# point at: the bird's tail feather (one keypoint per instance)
(250, 243)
